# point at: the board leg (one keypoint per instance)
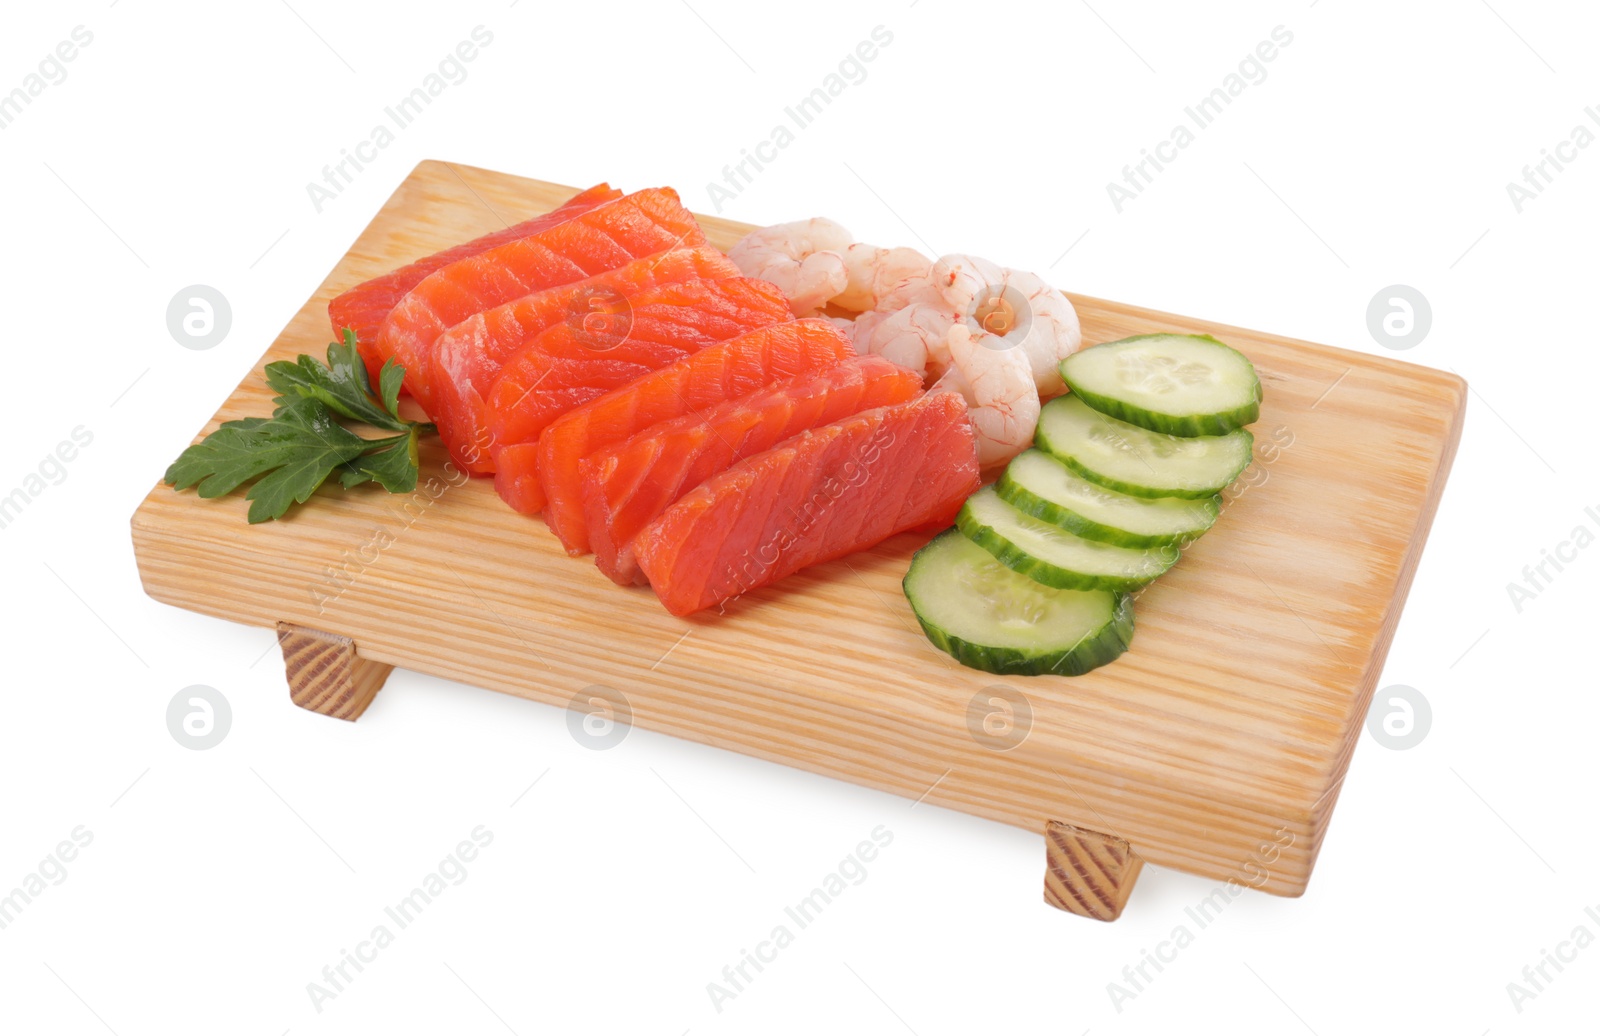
(1088, 873)
(325, 673)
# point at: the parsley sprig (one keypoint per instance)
(289, 455)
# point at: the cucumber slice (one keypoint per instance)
(1054, 556)
(1039, 485)
(1177, 384)
(1135, 460)
(988, 617)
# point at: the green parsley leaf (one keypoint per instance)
(224, 461)
(389, 382)
(393, 466)
(341, 385)
(291, 454)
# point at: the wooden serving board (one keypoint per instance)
(1216, 745)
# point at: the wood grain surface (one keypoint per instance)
(326, 675)
(1218, 740)
(1087, 873)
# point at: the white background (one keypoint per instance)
(219, 883)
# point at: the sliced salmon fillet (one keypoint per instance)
(821, 495)
(364, 307)
(470, 356)
(704, 379)
(569, 365)
(610, 235)
(625, 487)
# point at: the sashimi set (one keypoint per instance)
(708, 424)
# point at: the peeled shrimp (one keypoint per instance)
(910, 328)
(995, 335)
(804, 259)
(873, 273)
(1017, 305)
(997, 381)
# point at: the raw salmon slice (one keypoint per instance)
(702, 380)
(603, 238)
(570, 365)
(628, 485)
(470, 356)
(821, 495)
(364, 307)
